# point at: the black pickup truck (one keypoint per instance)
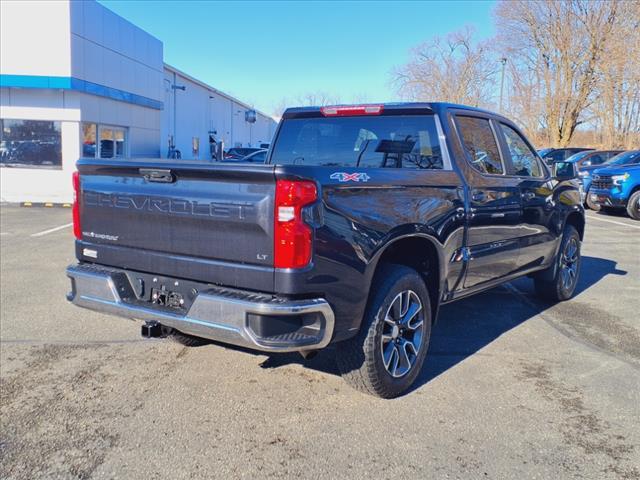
(363, 221)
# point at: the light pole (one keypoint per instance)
(175, 87)
(503, 61)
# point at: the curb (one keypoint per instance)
(45, 204)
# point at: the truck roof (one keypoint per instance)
(397, 107)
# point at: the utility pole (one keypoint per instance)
(503, 61)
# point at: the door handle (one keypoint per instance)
(157, 175)
(478, 196)
(528, 196)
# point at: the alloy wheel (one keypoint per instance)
(569, 264)
(402, 333)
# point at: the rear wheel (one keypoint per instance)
(386, 356)
(633, 205)
(567, 269)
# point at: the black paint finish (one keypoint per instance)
(213, 223)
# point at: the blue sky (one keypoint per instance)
(263, 52)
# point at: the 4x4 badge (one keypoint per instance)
(350, 177)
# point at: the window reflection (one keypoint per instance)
(89, 140)
(397, 141)
(30, 144)
(480, 143)
(112, 142)
(522, 157)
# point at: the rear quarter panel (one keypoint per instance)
(357, 220)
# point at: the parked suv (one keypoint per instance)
(364, 221)
(617, 188)
(629, 158)
(553, 155)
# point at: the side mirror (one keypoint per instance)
(586, 163)
(565, 171)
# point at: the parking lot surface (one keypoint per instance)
(512, 388)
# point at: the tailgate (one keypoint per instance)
(209, 222)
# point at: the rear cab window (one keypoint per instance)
(366, 141)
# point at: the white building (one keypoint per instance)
(78, 80)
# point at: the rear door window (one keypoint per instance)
(523, 159)
(480, 143)
(393, 141)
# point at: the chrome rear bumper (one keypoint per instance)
(212, 315)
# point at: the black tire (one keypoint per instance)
(186, 340)
(361, 359)
(633, 205)
(591, 204)
(607, 210)
(552, 284)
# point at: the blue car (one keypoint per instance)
(617, 188)
(592, 158)
(631, 157)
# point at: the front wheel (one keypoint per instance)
(633, 205)
(564, 279)
(590, 203)
(387, 354)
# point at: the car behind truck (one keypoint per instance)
(362, 223)
(617, 187)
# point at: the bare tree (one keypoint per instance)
(525, 103)
(556, 49)
(450, 69)
(617, 106)
(315, 99)
(310, 99)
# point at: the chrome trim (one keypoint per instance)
(211, 316)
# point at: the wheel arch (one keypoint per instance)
(577, 221)
(419, 251)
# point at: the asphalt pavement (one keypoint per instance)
(513, 387)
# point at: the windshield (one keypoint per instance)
(544, 151)
(625, 158)
(396, 141)
(577, 156)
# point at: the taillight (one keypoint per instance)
(77, 230)
(292, 237)
(351, 110)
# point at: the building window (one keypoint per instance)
(89, 140)
(112, 142)
(30, 144)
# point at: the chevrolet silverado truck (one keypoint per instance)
(618, 188)
(363, 221)
(623, 159)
